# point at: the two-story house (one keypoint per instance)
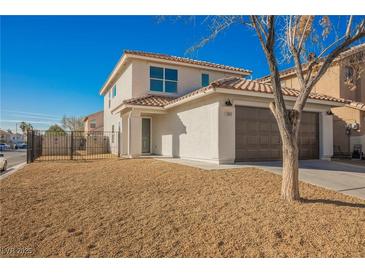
(349, 120)
(94, 122)
(179, 107)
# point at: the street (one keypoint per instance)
(15, 157)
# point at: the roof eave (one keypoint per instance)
(210, 90)
(161, 60)
(126, 107)
(125, 57)
(270, 95)
(117, 67)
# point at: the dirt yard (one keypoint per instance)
(150, 208)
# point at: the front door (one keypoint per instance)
(146, 135)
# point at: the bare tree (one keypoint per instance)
(299, 40)
(73, 123)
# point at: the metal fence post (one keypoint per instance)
(33, 143)
(72, 145)
(29, 147)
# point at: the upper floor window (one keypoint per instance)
(93, 123)
(349, 73)
(114, 91)
(205, 79)
(163, 79)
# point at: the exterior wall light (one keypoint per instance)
(228, 103)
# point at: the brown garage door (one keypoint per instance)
(258, 138)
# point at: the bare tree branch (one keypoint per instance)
(348, 30)
(303, 96)
(218, 27)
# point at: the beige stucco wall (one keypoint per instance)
(124, 91)
(205, 129)
(189, 131)
(333, 83)
(189, 78)
(329, 84)
(134, 82)
(99, 117)
(227, 124)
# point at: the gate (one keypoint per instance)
(72, 145)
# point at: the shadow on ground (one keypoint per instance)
(332, 202)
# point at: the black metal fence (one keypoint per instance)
(72, 145)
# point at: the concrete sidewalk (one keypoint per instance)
(11, 170)
(344, 178)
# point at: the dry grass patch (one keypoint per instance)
(150, 208)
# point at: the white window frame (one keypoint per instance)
(163, 80)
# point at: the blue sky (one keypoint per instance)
(55, 65)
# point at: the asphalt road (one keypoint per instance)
(15, 157)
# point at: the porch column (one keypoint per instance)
(134, 122)
(325, 136)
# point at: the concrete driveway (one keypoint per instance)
(345, 178)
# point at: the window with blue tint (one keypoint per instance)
(170, 86)
(115, 90)
(171, 74)
(163, 79)
(205, 79)
(156, 73)
(156, 85)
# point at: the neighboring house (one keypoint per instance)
(11, 138)
(333, 83)
(178, 107)
(4, 136)
(94, 122)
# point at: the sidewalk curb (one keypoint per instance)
(12, 170)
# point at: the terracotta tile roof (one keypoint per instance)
(289, 71)
(87, 117)
(255, 86)
(357, 105)
(149, 100)
(235, 83)
(187, 60)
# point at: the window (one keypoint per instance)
(205, 79)
(114, 91)
(112, 133)
(163, 79)
(349, 73)
(93, 123)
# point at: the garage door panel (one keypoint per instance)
(258, 137)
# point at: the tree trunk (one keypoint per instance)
(290, 184)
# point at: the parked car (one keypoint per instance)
(3, 163)
(4, 146)
(20, 146)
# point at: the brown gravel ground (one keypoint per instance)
(150, 208)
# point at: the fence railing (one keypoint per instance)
(72, 145)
